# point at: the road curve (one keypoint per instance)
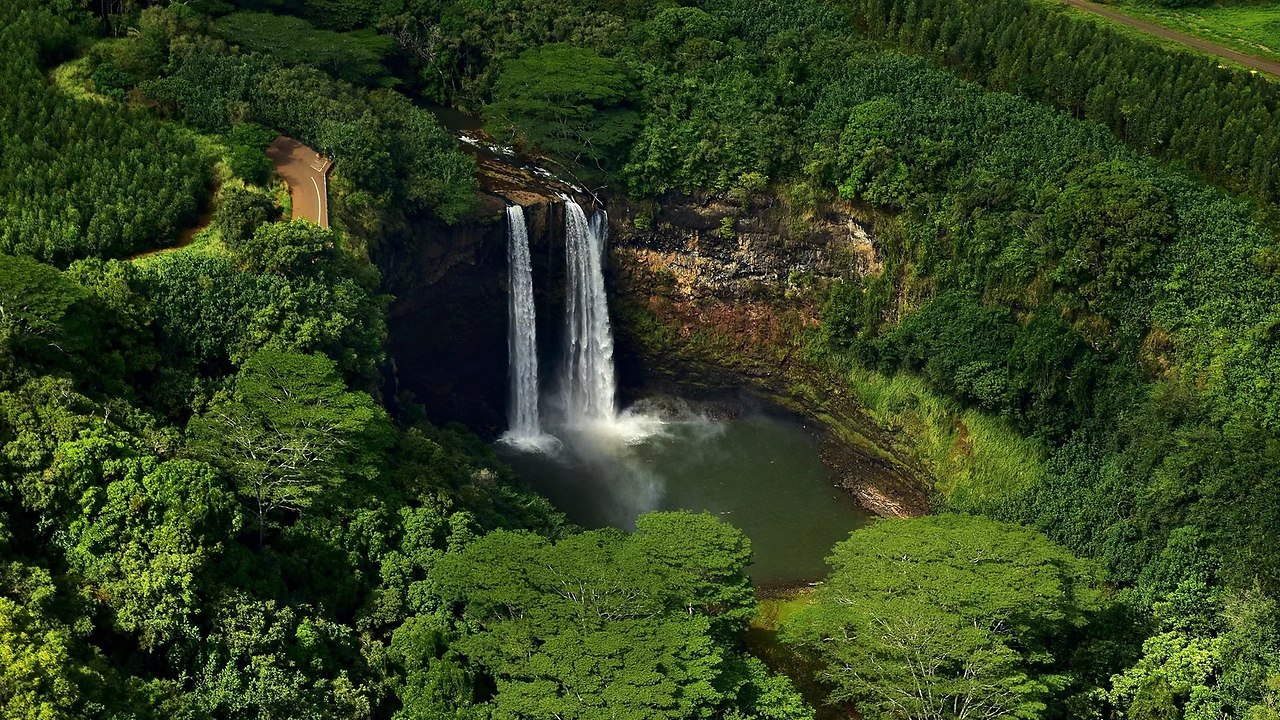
(1266, 66)
(305, 171)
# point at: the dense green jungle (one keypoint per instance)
(214, 505)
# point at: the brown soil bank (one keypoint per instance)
(712, 293)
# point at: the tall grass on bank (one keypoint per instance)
(975, 459)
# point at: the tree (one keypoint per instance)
(702, 560)
(432, 685)
(144, 537)
(319, 296)
(40, 676)
(566, 101)
(36, 676)
(34, 300)
(240, 211)
(1173, 667)
(432, 175)
(946, 617)
(291, 286)
(869, 164)
(960, 345)
(1107, 228)
(247, 156)
(355, 57)
(288, 430)
(604, 625)
(275, 661)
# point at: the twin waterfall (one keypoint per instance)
(587, 385)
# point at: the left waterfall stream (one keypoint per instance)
(524, 429)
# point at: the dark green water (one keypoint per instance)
(761, 473)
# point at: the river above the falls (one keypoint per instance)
(757, 470)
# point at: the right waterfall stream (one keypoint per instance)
(588, 386)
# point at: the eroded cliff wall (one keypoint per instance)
(711, 292)
(448, 321)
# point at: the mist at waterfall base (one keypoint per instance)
(758, 471)
(603, 468)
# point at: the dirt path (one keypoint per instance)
(1266, 66)
(305, 171)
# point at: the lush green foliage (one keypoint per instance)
(248, 157)
(289, 430)
(240, 210)
(605, 625)
(952, 617)
(392, 158)
(81, 178)
(217, 519)
(354, 57)
(288, 286)
(566, 101)
(1180, 105)
(35, 299)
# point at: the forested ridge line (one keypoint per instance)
(1250, 61)
(1181, 106)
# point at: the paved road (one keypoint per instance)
(1266, 66)
(305, 171)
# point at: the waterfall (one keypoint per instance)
(522, 334)
(588, 386)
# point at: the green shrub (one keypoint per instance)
(248, 159)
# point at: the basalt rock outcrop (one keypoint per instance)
(711, 293)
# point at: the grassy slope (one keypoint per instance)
(970, 459)
(1250, 28)
(974, 458)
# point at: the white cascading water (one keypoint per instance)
(522, 340)
(588, 385)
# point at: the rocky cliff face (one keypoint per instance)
(709, 295)
(712, 293)
(448, 321)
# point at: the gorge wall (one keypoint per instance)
(448, 321)
(710, 296)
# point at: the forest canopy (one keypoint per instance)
(81, 178)
(207, 510)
